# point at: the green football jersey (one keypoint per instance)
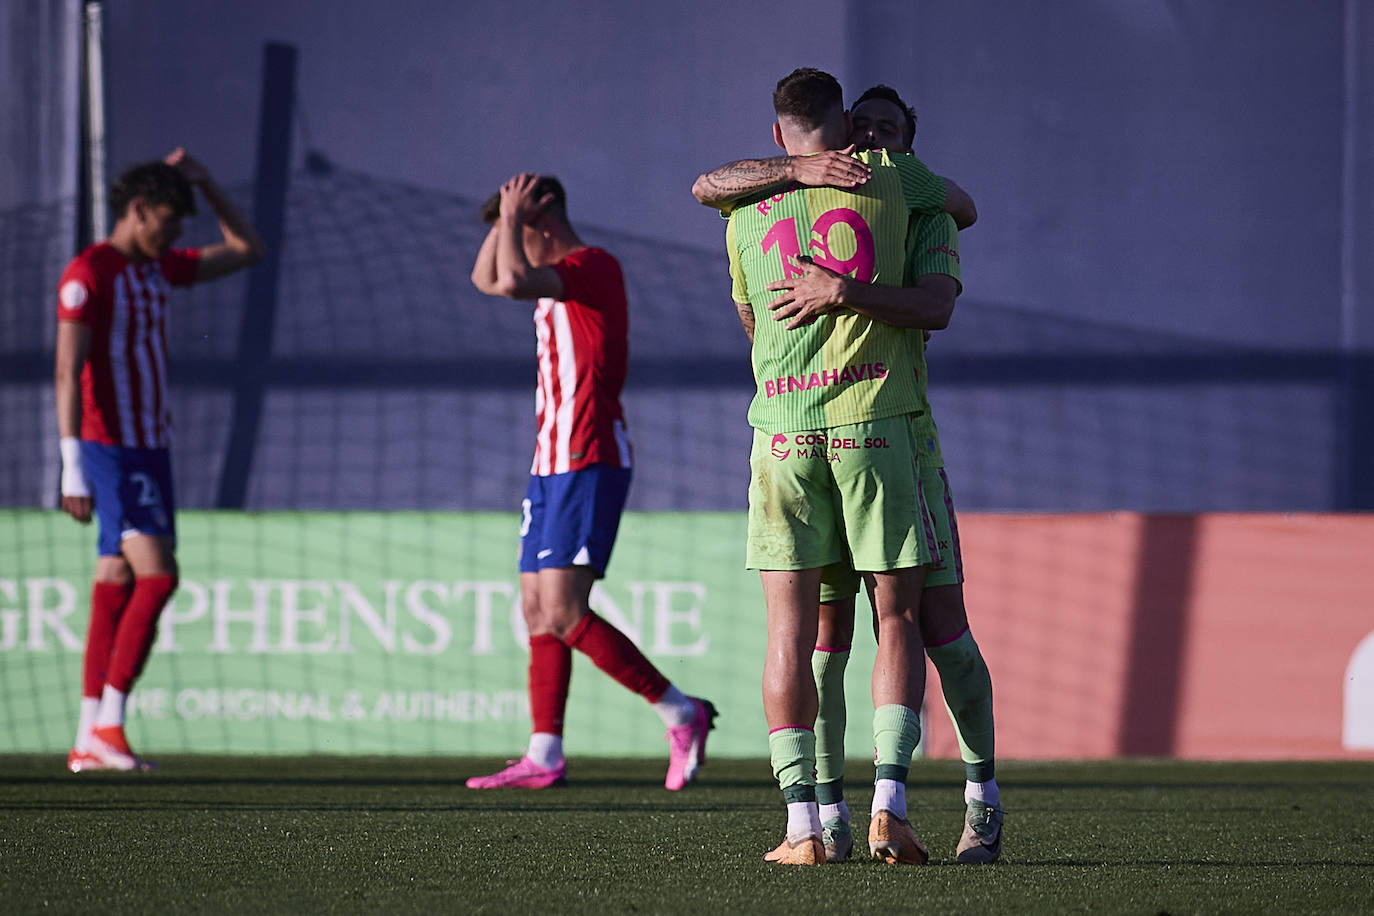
(932, 248)
(844, 367)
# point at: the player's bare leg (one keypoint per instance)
(789, 691)
(789, 707)
(899, 676)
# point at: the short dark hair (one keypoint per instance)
(155, 182)
(888, 94)
(807, 95)
(545, 186)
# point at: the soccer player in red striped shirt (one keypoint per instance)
(115, 423)
(580, 475)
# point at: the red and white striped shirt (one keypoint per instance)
(124, 303)
(583, 349)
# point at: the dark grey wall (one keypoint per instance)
(1131, 159)
(1173, 165)
(627, 101)
(1167, 295)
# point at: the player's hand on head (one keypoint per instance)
(190, 167)
(517, 197)
(835, 168)
(803, 299)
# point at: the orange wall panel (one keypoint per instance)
(1278, 607)
(1222, 636)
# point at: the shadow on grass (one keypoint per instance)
(1005, 864)
(161, 778)
(416, 808)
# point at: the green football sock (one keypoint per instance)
(967, 687)
(828, 667)
(793, 754)
(896, 732)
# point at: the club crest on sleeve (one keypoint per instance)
(72, 294)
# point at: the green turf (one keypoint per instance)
(308, 835)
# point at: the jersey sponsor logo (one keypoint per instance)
(72, 294)
(846, 375)
(819, 445)
(837, 443)
(813, 452)
(944, 249)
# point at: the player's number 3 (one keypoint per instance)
(783, 236)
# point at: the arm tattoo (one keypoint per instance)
(746, 318)
(745, 176)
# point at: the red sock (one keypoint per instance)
(614, 653)
(137, 628)
(550, 672)
(107, 604)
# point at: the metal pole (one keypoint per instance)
(254, 351)
(95, 119)
(1349, 162)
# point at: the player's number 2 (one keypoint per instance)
(782, 235)
(148, 492)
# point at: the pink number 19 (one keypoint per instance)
(860, 264)
(783, 236)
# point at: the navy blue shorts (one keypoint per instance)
(131, 489)
(571, 519)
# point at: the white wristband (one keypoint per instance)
(73, 474)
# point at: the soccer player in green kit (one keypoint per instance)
(835, 473)
(881, 120)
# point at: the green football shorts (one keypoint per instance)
(846, 494)
(840, 581)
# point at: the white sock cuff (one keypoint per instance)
(90, 708)
(111, 707)
(803, 820)
(889, 795)
(675, 707)
(985, 792)
(830, 812)
(545, 749)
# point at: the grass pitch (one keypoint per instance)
(347, 835)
